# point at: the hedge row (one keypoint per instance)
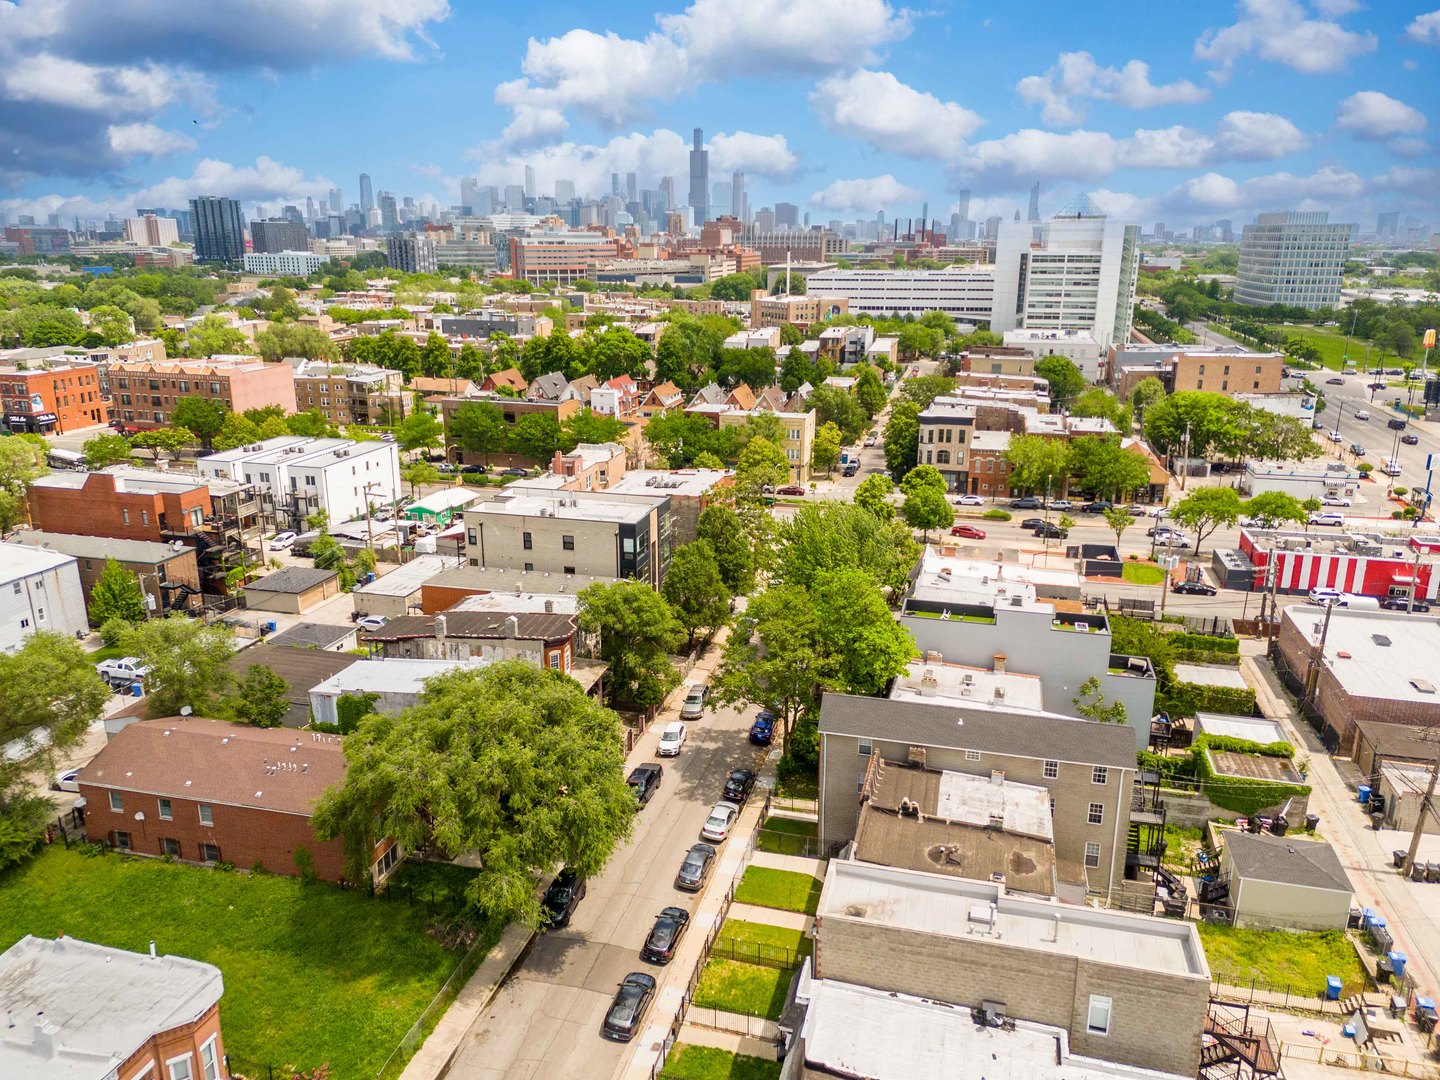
(1233, 745)
(1186, 699)
(1205, 643)
(1201, 656)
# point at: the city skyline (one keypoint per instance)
(1273, 104)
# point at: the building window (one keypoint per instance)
(209, 1060)
(125, 516)
(567, 543)
(207, 815)
(170, 846)
(117, 803)
(1097, 1019)
(1052, 770)
(180, 1068)
(569, 569)
(166, 812)
(209, 852)
(555, 661)
(972, 755)
(1099, 775)
(866, 748)
(1092, 855)
(122, 841)
(526, 541)
(1096, 814)
(144, 517)
(529, 567)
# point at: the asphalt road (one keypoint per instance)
(545, 1020)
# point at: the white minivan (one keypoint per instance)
(1390, 467)
(1323, 596)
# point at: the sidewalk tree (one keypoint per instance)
(827, 538)
(779, 665)
(694, 590)
(477, 427)
(202, 416)
(21, 461)
(1146, 392)
(832, 405)
(102, 451)
(926, 506)
(1118, 519)
(866, 646)
(762, 464)
(1205, 510)
(189, 663)
(1036, 461)
(261, 699)
(536, 436)
(870, 391)
(419, 473)
(722, 528)
(638, 633)
(159, 441)
(237, 430)
(116, 594)
(873, 495)
(902, 438)
(827, 449)
(420, 431)
(1273, 509)
(1106, 467)
(512, 765)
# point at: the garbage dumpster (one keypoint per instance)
(1332, 988)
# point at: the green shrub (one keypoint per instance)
(1400, 490)
(1202, 656)
(1186, 699)
(113, 629)
(1204, 641)
(996, 515)
(802, 752)
(305, 865)
(1243, 796)
(1167, 765)
(1229, 744)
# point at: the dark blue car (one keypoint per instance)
(762, 731)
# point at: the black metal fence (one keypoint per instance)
(753, 952)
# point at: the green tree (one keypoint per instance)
(638, 632)
(311, 423)
(823, 539)
(866, 645)
(762, 464)
(1103, 465)
(778, 666)
(235, 431)
(436, 359)
(1065, 379)
(925, 506)
(112, 324)
(588, 426)
(159, 441)
(790, 334)
(1037, 462)
(420, 431)
(722, 528)
(512, 765)
(753, 367)
(478, 428)
(1275, 509)
(202, 416)
(827, 448)
(536, 436)
(212, 336)
(1205, 416)
(1146, 392)
(902, 438)
(923, 478)
(924, 389)
(285, 339)
(831, 405)
(1118, 519)
(706, 460)
(105, 450)
(694, 589)
(733, 287)
(1091, 704)
(116, 594)
(1205, 510)
(21, 461)
(189, 663)
(870, 391)
(261, 699)
(418, 474)
(873, 495)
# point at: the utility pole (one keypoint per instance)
(1414, 582)
(1272, 574)
(1185, 455)
(1316, 656)
(1169, 563)
(1420, 820)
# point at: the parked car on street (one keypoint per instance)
(970, 532)
(1061, 504)
(1032, 523)
(564, 893)
(671, 740)
(1400, 603)
(1099, 506)
(696, 867)
(644, 780)
(969, 500)
(1193, 588)
(632, 1001)
(717, 826)
(1027, 502)
(738, 786)
(871, 439)
(1327, 517)
(665, 935)
(1335, 380)
(1324, 596)
(694, 706)
(790, 489)
(1334, 500)
(1051, 532)
(762, 731)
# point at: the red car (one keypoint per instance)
(968, 531)
(793, 489)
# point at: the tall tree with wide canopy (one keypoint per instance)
(638, 632)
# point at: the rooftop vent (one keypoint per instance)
(1381, 640)
(1424, 686)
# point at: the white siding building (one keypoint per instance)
(340, 476)
(39, 590)
(965, 293)
(286, 263)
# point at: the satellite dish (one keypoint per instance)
(139, 815)
(185, 710)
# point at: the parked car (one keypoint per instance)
(790, 489)
(969, 500)
(665, 935)
(722, 817)
(1159, 512)
(283, 541)
(1051, 532)
(1393, 603)
(738, 786)
(1336, 437)
(1061, 504)
(371, 622)
(1099, 506)
(1327, 517)
(69, 780)
(1193, 588)
(870, 439)
(1375, 386)
(1335, 380)
(387, 437)
(632, 1001)
(1027, 502)
(1318, 425)
(694, 706)
(695, 867)
(1324, 596)
(473, 470)
(1357, 449)
(122, 670)
(1032, 523)
(644, 780)
(564, 893)
(1362, 414)
(970, 532)
(1410, 440)
(850, 469)
(1137, 510)
(515, 472)
(1334, 500)
(671, 740)
(762, 731)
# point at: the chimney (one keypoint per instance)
(999, 659)
(44, 1036)
(440, 628)
(512, 626)
(549, 607)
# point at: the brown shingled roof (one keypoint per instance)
(530, 626)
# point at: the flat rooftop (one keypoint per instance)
(518, 604)
(933, 575)
(565, 506)
(100, 1004)
(1254, 728)
(21, 561)
(446, 499)
(101, 547)
(930, 680)
(407, 577)
(852, 1030)
(1376, 654)
(503, 579)
(1211, 675)
(688, 483)
(934, 904)
(392, 676)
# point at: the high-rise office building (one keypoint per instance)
(277, 234)
(667, 189)
(1292, 257)
(337, 200)
(632, 188)
(389, 212)
(413, 253)
(1035, 202)
(738, 206)
(614, 183)
(764, 220)
(148, 230)
(470, 195)
(700, 178)
(1159, 230)
(514, 198)
(1225, 231)
(564, 191)
(530, 181)
(962, 204)
(219, 229)
(1387, 225)
(1070, 273)
(367, 194)
(720, 197)
(787, 215)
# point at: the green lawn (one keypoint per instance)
(1142, 573)
(787, 836)
(762, 943)
(1280, 960)
(743, 988)
(798, 786)
(313, 974)
(107, 652)
(783, 889)
(711, 1063)
(1332, 345)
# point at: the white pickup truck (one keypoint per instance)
(122, 671)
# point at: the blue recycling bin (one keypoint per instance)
(271, 625)
(1364, 793)
(1398, 960)
(1378, 921)
(136, 689)
(1348, 1031)
(1366, 914)
(1332, 988)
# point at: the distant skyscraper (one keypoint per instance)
(737, 195)
(470, 195)
(277, 234)
(413, 253)
(700, 178)
(720, 197)
(514, 198)
(955, 226)
(367, 194)
(632, 188)
(1293, 258)
(219, 229)
(764, 220)
(1035, 202)
(1387, 225)
(614, 183)
(530, 181)
(1159, 230)
(992, 227)
(337, 200)
(667, 189)
(1225, 231)
(564, 190)
(787, 215)
(389, 212)
(962, 205)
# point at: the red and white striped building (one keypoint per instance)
(1327, 563)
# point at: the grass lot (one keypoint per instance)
(777, 945)
(1332, 345)
(710, 1063)
(798, 786)
(786, 836)
(107, 652)
(783, 889)
(743, 988)
(1280, 960)
(1142, 573)
(313, 974)
(1181, 845)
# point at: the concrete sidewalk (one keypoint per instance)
(790, 920)
(798, 864)
(698, 1035)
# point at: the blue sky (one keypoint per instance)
(1181, 113)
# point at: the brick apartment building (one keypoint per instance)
(145, 393)
(352, 393)
(169, 573)
(563, 257)
(78, 1009)
(801, 311)
(209, 791)
(52, 396)
(511, 409)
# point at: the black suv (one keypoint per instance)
(1049, 530)
(738, 786)
(644, 780)
(1099, 506)
(566, 891)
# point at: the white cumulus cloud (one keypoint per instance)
(1425, 28)
(1076, 76)
(761, 36)
(889, 115)
(761, 155)
(1282, 31)
(865, 196)
(1370, 114)
(146, 140)
(1256, 136)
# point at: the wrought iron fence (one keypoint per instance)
(781, 957)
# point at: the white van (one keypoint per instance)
(1390, 467)
(1358, 603)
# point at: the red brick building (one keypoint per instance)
(145, 394)
(209, 791)
(53, 399)
(115, 505)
